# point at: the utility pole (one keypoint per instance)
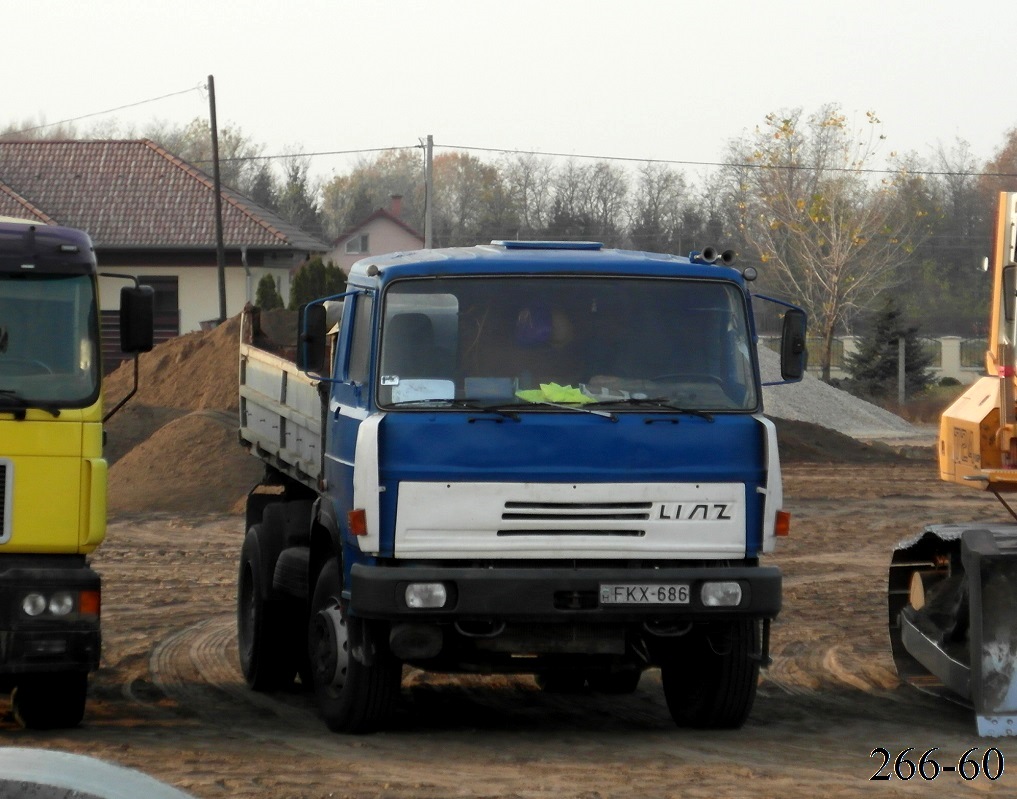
(901, 371)
(428, 192)
(220, 249)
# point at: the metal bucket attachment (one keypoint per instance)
(990, 561)
(952, 602)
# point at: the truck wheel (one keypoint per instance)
(50, 701)
(710, 682)
(268, 643)
(352, 696)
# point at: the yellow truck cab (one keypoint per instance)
(52, 473)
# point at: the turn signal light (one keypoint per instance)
(90, 603)
(357, 520)
(782, 525)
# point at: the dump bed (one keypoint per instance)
(280, 414)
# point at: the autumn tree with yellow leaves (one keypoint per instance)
(832, 228)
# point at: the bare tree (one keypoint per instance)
(606, 192)
(810, 206)
(657, 209)
(528, 182)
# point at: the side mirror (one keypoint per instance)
(1009, 291)
(311, 337)
(137, 319)
(793, 353)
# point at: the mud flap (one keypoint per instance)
(990, 563)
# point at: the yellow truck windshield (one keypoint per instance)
(49, 340)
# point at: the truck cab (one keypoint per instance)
(543, 458)
(52, 472)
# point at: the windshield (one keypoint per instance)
(571, 341)
(48, 340)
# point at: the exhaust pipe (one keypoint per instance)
(710, 255)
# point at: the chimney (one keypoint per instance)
(395, 207)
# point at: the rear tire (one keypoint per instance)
(710, 681)
(353, 697)
(267, 630)
(50, 701)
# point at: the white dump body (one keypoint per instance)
(280, 414)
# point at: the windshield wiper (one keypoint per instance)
(18, 405)
(656, 402)
(466, 404)
(578, 407)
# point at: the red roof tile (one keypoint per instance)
(131, 194)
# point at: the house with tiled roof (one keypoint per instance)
(381, 232)
(152, 215)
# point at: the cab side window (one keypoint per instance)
(360, 344)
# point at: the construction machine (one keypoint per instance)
(952, 591)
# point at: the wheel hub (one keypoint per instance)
(331, 650)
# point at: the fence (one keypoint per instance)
(963, 359)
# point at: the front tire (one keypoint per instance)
(50, 701)
(710, 681)
(353, 696)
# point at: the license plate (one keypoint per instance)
(653, 594)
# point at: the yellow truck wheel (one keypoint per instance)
(50, 701)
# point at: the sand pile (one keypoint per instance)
(174, 446)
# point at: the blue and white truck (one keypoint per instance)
(545, 458)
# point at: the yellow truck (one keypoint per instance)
(52, 472)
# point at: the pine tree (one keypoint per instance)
(873, 368)
(314, 280)
(267, 295)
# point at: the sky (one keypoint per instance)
(667, 80)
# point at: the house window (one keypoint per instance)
(357, 245)
(167, 293)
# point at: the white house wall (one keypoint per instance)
(383, 237)
(198, 289)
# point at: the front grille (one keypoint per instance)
(577, 510)
(573, 531)
(555, 513)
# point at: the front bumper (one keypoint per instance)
(557, 594)
(47, 643)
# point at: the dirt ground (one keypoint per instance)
(170, 700)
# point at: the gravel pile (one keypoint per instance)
(817, 402)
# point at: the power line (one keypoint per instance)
(550, 154)
(308, 155)
(197, 88)
(677, 162)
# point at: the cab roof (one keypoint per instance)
(530, 257)
(28, 246)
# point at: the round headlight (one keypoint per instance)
(61, 603)
(33, 604)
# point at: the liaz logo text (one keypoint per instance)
(694, 511)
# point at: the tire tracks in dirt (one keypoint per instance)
(197, 668)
